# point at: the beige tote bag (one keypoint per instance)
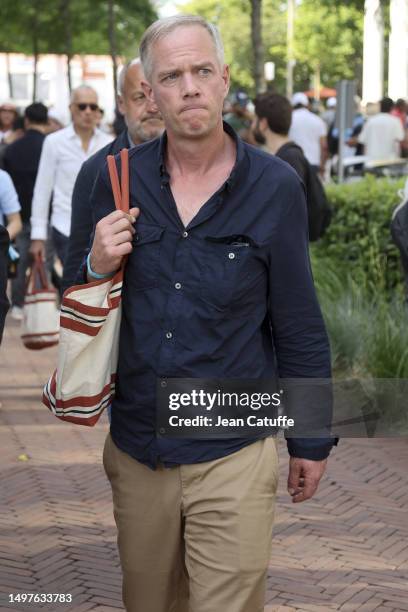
(84, 382)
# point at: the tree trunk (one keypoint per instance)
(112, 44)
(256, 35)
(35, 49)
(66, 16)
(9, 79)
(35, 54)
(290, 54)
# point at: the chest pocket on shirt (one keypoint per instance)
(144, 262)
(228, 269)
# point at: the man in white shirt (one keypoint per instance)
(309, 132)
(62, 156)
(382, 134)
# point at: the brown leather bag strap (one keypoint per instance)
(124, 164)
(37, 271)
(120, 191)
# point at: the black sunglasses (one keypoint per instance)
(83, 106)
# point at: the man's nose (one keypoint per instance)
(189, 86)
(151, 107)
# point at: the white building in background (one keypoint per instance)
(52, 82)
(373, 52)
(373, 55)
(398, 50)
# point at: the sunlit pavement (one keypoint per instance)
(347, 549)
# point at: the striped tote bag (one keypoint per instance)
(40, 324)
(83, 383)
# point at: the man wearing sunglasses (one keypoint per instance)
(62, 156)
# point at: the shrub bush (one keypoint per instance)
(369, 341)
(358, 239)
(368, 334)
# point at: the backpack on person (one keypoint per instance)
(319, 211)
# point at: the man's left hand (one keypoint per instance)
(304, 477)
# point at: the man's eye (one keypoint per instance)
(139, 98)
(170, 77)
(204, 71)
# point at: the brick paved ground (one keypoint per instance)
(347, 549)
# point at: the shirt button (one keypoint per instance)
(177, 286)
(169, 335)
(162, 430)
(231, 255)
(185, 234)
(163, 383)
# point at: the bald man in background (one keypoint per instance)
(62, 155)
(143, 123)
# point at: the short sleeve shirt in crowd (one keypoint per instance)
(381, 136)
(306, 130)
(9, 203)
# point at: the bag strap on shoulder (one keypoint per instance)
(120, 190)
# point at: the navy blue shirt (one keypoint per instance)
(196, 306)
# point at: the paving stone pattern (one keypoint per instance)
(347, 549)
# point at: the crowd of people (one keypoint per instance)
(40, 159)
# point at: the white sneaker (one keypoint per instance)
(16, 313)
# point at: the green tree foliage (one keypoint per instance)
(88, 25)
(328, 36)
(326, 31)
(233, 17)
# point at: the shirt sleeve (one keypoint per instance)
(323, 129)
(9, 203)
(298, 329)
(4, 303)
(399, 131)
(101, 204)
(81, 224)
(363, 135)
(43, 190)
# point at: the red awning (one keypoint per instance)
(325, 92)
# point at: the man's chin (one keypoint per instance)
(144, 135)
(197, 129)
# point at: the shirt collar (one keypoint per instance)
(130, 141)
(236, 170)
(71, 133)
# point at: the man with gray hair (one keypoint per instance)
(143, 122)
(61, 158)
(217, 286)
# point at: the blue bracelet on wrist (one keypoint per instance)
(95, 274)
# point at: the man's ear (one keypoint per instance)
(226, 78)
(263, 124)
(120, 104)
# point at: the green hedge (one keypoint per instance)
(358, 239)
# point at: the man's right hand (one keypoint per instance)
(112, 241)
(37, 249)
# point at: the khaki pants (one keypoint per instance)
(195, 538)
